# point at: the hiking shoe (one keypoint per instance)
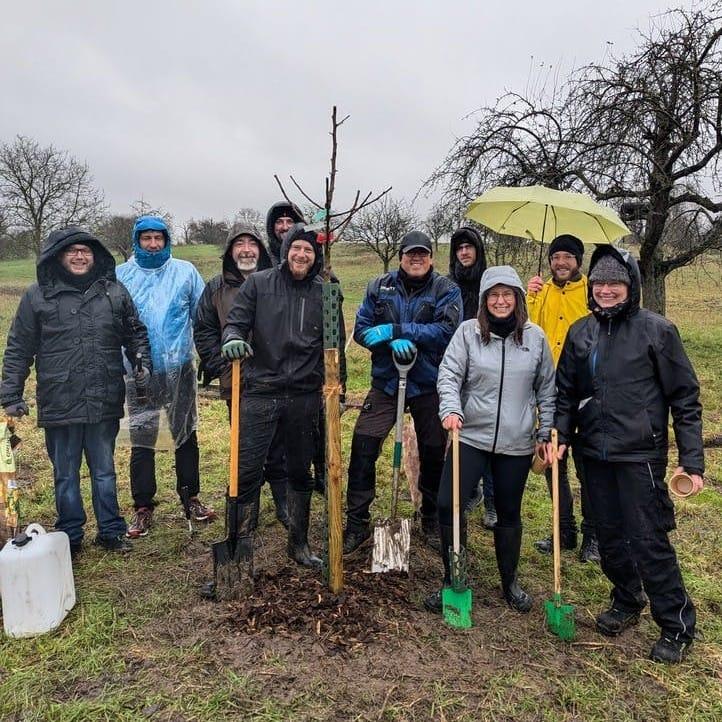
(568, 540)
(355, 537)
(114, 543)
(589, 551)
(612, 622)
(140, 523)
(669, 650)
(199, 511)
(433, 602)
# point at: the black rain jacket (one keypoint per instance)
(282, 208)
(74, 338)
(282, 319)
(213, 308)
(619, 376)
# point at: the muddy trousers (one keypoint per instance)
(633, 515)
(261, 417)
(567, 522)
(376, 420)
(142, 472)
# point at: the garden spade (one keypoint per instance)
(559, 617)
(392, 537)
(456, 598)
(233, 557)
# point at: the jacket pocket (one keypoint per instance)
(54, 395)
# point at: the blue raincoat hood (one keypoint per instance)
(147, 259)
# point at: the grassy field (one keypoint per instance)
(140, 644)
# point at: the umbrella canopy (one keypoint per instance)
(541, 214)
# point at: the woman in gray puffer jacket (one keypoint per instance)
(496, 386)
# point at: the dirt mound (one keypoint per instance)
(295, 603)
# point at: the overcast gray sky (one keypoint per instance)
(195, 105)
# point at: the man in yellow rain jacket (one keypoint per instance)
(555, 306)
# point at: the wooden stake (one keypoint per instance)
(334, 490)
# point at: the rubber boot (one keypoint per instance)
(299, 510)
(279, 492)
(446, 539)
(507, 545)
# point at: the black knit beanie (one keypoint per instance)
(609, 270)
(567, 244)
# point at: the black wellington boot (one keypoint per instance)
(279, 492)
(507, 544)
(433, 601)
(299, 510)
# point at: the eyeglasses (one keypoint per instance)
(73, 251)
(613, 286)
(563, 257)
(504, 295)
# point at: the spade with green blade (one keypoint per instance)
(559, 617)
(456, 598)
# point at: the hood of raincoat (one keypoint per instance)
(148, 259)
(276, 211)
(631, 305)
(457, 272)
(230, 270)
(495, 275)
(299, 231)
(46, 271)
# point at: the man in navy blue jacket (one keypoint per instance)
(410, 310)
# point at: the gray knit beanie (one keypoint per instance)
(609, 270)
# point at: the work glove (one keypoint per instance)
(19, 408)
(236, 349)
(403, 350)
(378, 334)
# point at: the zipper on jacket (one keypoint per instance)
(501, 389)
(303, 310)
(604, 392)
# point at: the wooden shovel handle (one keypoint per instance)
(235, 427)
(555, 512)
(455, 490)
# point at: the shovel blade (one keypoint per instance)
(456, 607)
(392, 542)
(233, 568)
(560, 618)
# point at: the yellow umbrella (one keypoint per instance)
(541, 214)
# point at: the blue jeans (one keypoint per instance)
(65, 445)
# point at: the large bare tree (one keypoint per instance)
(642, 132)
(116, 233)
(382, 225)
(43, 188)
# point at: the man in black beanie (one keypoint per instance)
(555, 306)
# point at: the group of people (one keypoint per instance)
(499, 361)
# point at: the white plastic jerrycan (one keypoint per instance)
(36, 582)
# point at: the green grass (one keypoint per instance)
(140, 644)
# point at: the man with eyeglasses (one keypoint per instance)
(73, 324)
(555, 306)
(413, 311)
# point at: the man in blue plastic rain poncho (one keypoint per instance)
(166, 292)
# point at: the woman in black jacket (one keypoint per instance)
(622, 370)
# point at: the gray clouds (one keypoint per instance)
(196, 105)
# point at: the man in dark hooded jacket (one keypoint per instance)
(276, 325)
(73, 324)
(280, 218)
(621, 371)
(245, 253)
(467, 263)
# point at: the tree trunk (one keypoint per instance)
(386, 261)
(653, 288)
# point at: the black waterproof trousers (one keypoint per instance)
(633, 515)
(261, 416)
(377, 418)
